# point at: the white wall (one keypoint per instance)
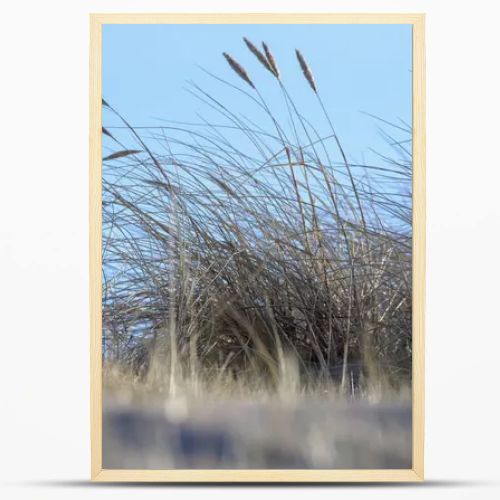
(43, 245)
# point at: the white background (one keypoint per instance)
(44, 361)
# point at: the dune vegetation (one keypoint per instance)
(253, 257)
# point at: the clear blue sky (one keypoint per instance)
(356, 68)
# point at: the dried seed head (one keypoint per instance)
(288, 156)
(238, 69)
(306, 70)
(271, 60)
(258, 54)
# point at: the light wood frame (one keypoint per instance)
(416, 473)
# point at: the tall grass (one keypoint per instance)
(253, 253)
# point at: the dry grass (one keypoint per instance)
(247, 259)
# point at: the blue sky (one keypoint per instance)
(356, 68)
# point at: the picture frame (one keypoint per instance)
(414, 474)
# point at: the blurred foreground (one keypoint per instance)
(311, 432)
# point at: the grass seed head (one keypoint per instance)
(306, 70)
(238, 69)
(271, 60)
(258, 54)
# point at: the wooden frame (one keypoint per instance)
(417, 471)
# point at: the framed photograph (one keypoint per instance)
(257, 247)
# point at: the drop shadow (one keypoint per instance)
(435, 483)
